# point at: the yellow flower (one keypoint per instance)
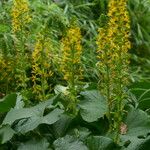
(71, 55)
(41, 66)
(20, 14)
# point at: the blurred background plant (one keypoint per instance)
(140, 23)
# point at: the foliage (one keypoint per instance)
(50, 101)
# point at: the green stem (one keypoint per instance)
(120, 99)
(43, 70)
(72, 81)
(108, 92)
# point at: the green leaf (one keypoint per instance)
(6, 133)
(141, 90)
(35, 145)
(138, 124)
(16, 114)
(27, 119)
(26, 125)
(100, 143)
(57, 12)
(8, 102)
(52, 117)
(83, 133)
(61, 126)
(4, 28)
(69, 143)
(137, 144)
(145, 144)
(93, 107)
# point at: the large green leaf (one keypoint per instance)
(31, 123)
(16, 114)
(27, 119)
(60, 127)
(8, 102)
(145, 144)
(35, 145)
(6, 133)
(26, 125)
(82, 133)
(93, 106)
(100, 143)
(138, 124)
(52, 117)
(137, 144)
(69, 143)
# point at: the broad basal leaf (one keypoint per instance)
(133, 143)
(52, 117)
(69, 143)
(16, 114)
(27, 119)
(138, 124)
(61, 126)
(93, 106)
(100, 143)
(35, 145)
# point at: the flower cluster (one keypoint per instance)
(20, 14)
(113, 45)
(71, 59)
(41, 66)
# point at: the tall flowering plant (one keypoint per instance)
(41, 67)
(71, 63)
(20, 18)
(113, 45)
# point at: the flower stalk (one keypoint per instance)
(41, 67)
(113, 45)
(20, 18)
(71, 63)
